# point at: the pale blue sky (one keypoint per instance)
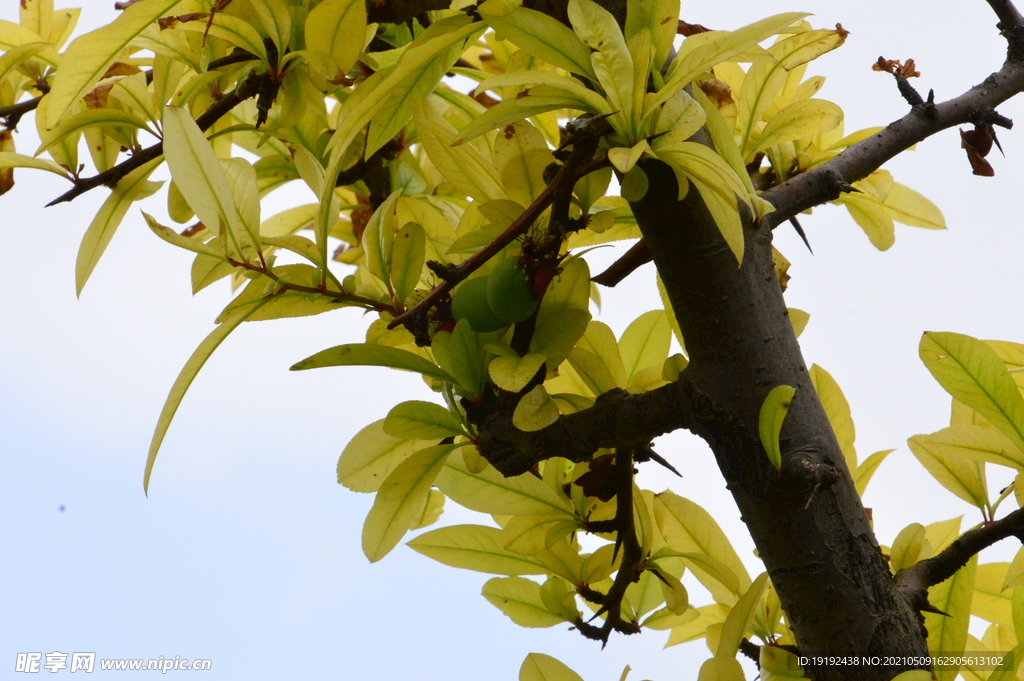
(247, 551)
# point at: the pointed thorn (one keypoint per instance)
(800, 230)
(657, 457)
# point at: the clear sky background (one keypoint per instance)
(247, 551)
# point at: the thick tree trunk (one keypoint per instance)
(834, 584)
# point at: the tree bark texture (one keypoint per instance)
(822, 556)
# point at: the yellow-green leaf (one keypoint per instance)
(490, 492)
(520, 599)
(400, 499)
(972, 372)
(1015, 573)
(10, 159)
(474, 547)
(868, 213)
(991, 602)
(838, 411)
(961, 476)
(199, 175)
(100, 231)
(905, 205)
(535, 411)
(93, 118)
(371, 455)
(512, 373)
(407, 255)
(862, 476)
(906, 548)
(422, 421)
(976, 443)
(185, 378)
(366, 354)
(540, 667)
(545, 38)
(721, 669)
(87, 58)
(172, 237)
(645, 342)
(954, 597)
(769, 424)
(688, 528)
(801, 119)
(741, 616)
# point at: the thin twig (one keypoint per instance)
(569, 172)
(111, 177)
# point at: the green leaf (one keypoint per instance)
(545, 38)
(371, 455)
(185, 378)
(408, 253)
(769, 425)
(101, 230)
(474, 547)
(400, 500)
(952, 596)
(972, 372)
(422, 421)
(520, 599)
(540, 667)
(1015, 573)
(490, 492)
(89, 56)
(366, 354)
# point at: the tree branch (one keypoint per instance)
(1009, 18)
(399, 11)
(13, 113)
(913, 582)
(217, 110)
(618, 419)
(860, 160)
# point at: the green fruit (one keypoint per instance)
(470, 303)
(509, 292)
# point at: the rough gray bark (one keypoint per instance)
(832, 579)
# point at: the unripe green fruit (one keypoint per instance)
(509, 292)
(470, 303)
